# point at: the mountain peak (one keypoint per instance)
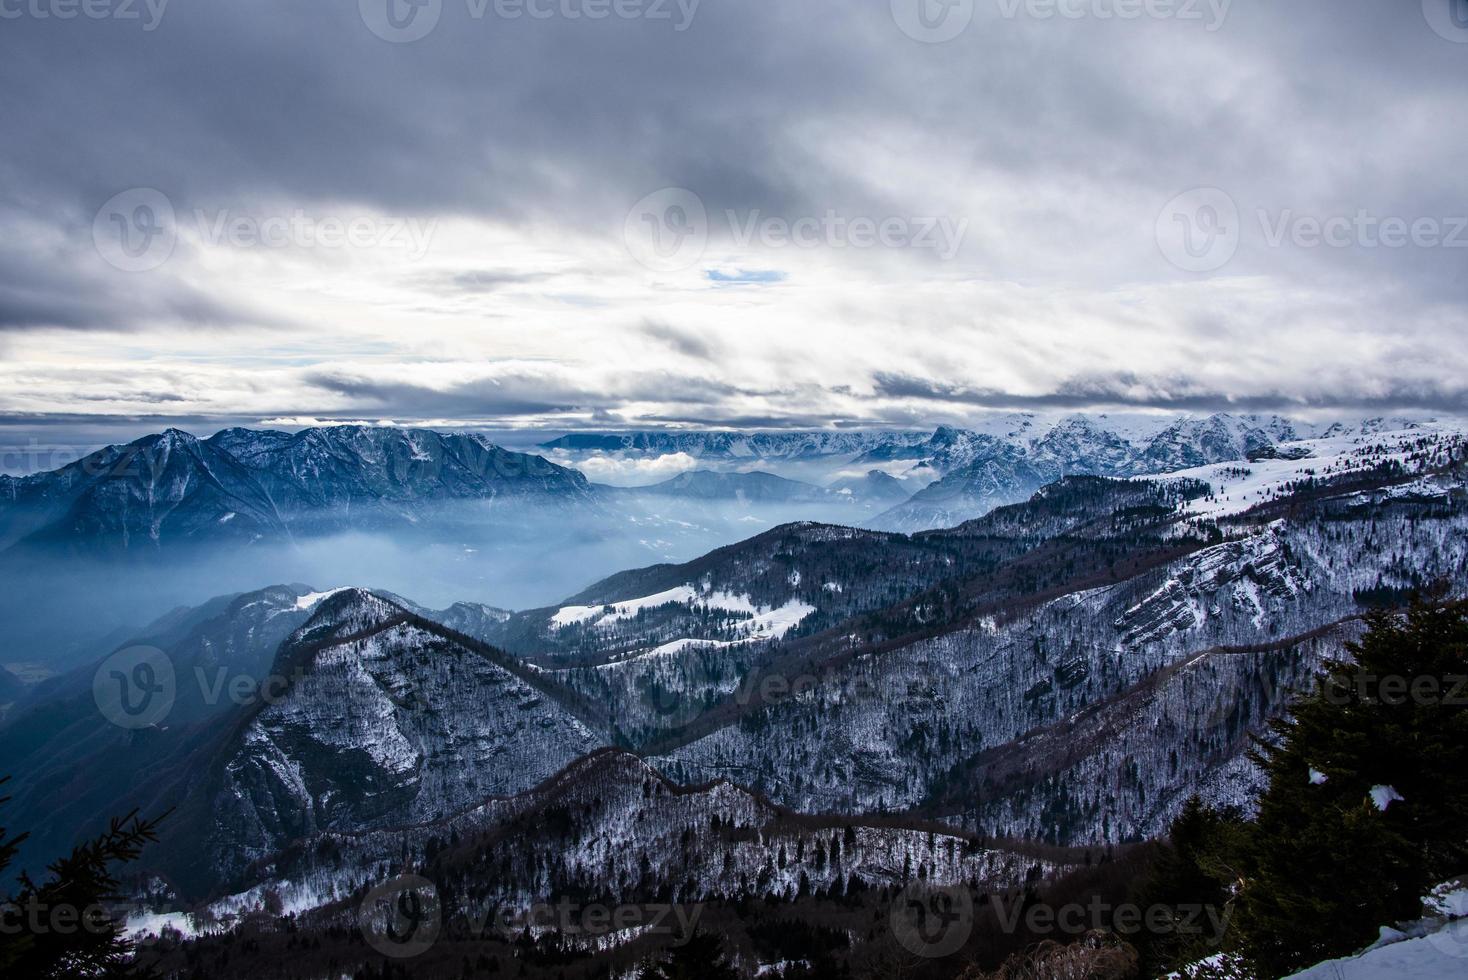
(168, 439)
(946, 435)
(347, 612)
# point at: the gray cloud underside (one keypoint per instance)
(43, 287)
(1319, 106)
(1179, 395)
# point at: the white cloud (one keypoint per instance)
(619, 471)
(524, 306)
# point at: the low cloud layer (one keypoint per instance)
(629, 472)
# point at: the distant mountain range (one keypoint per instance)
(242, 486)
(1069, 669)
(959, 474)
(978, 472)
(734, 446)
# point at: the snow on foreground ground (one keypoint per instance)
(1432, 948)
(1442, 954)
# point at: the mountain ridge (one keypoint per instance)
(174, 489)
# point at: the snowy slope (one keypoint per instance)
(611, 825)
(980, 472)
(1241, 485)
(1428, 958)
(1093, 715)
(386, 720)
(1434, 946)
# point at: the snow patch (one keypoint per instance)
(764, 624)
(153, 924)
(1385, 796)
(1449, 899)
(312, 600)
(611, 612)
(769, 624)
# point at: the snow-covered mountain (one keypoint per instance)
(612, 825)
(740, 446)
(875, 486)
(390, 469)
(160, 489)
(1069, 669)
(976, 472)
(242, 486)
(73, 764)
(996, 474)
(1216, 439)
(389, 719)
(1125, 672)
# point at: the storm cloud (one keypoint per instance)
(1262, 206)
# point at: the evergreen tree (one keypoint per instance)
(1326, 863)
(59, 929)
(700, 958)
(1191, 869)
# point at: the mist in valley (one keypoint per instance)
(62, 609)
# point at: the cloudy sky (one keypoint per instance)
(608, 213)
